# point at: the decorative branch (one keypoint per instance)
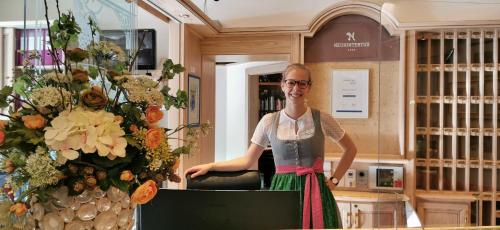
(52, 52)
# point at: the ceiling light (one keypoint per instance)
(183, 15)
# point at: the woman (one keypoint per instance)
(296, 135)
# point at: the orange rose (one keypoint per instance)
(34, 121)
(126, 175)
(80, 75)
(153, 114)
(2, 137)
(19, 209)
(153, 138)
(94, 98)
(144, 193)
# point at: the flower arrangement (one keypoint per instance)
(88, 123)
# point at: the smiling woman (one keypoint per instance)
(296, 135)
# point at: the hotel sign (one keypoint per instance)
(351, 44)
(351, 38)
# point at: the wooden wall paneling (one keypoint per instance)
(402, 94)
(253, 104)
(192, 63)
(411, 50)
(296, 48)
(388, 104)
(258, 44)
(207, 143)
(365, 132)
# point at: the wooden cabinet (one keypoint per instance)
(456, 117)
(372, 214)
(438, 214)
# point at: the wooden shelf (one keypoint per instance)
(457, 117)
(269, 83)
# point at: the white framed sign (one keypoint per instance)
(350, 90)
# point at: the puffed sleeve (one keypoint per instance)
(262, 131)
(331, 127)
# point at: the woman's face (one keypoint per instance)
(296, 85)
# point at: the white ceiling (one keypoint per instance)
(299, 13)
(265, 13)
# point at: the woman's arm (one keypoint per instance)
(241, 163)
(347, 157)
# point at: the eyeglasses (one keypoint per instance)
(290, 83)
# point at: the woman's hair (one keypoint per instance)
(295, 66)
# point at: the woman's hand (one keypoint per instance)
(330, 184)
(199, 170)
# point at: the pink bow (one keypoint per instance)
(310, 197)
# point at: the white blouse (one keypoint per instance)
(286, 128)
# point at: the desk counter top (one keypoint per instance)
(356, 196)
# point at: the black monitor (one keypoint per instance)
(220, 209)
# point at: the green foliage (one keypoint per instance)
(64, 30)
(179, 101)
(170, 70)
(93, 72)
(4, 93)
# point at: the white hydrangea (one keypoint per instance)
(50, 96)
(42, 169)
(88, 131)
(143, 89)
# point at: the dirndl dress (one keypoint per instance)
(299, 166)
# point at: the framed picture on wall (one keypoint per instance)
(194, 106)
(350, 90)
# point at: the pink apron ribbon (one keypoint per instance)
(310, 197)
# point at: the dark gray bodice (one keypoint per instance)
(298, 152)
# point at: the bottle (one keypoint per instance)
(271, 103)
